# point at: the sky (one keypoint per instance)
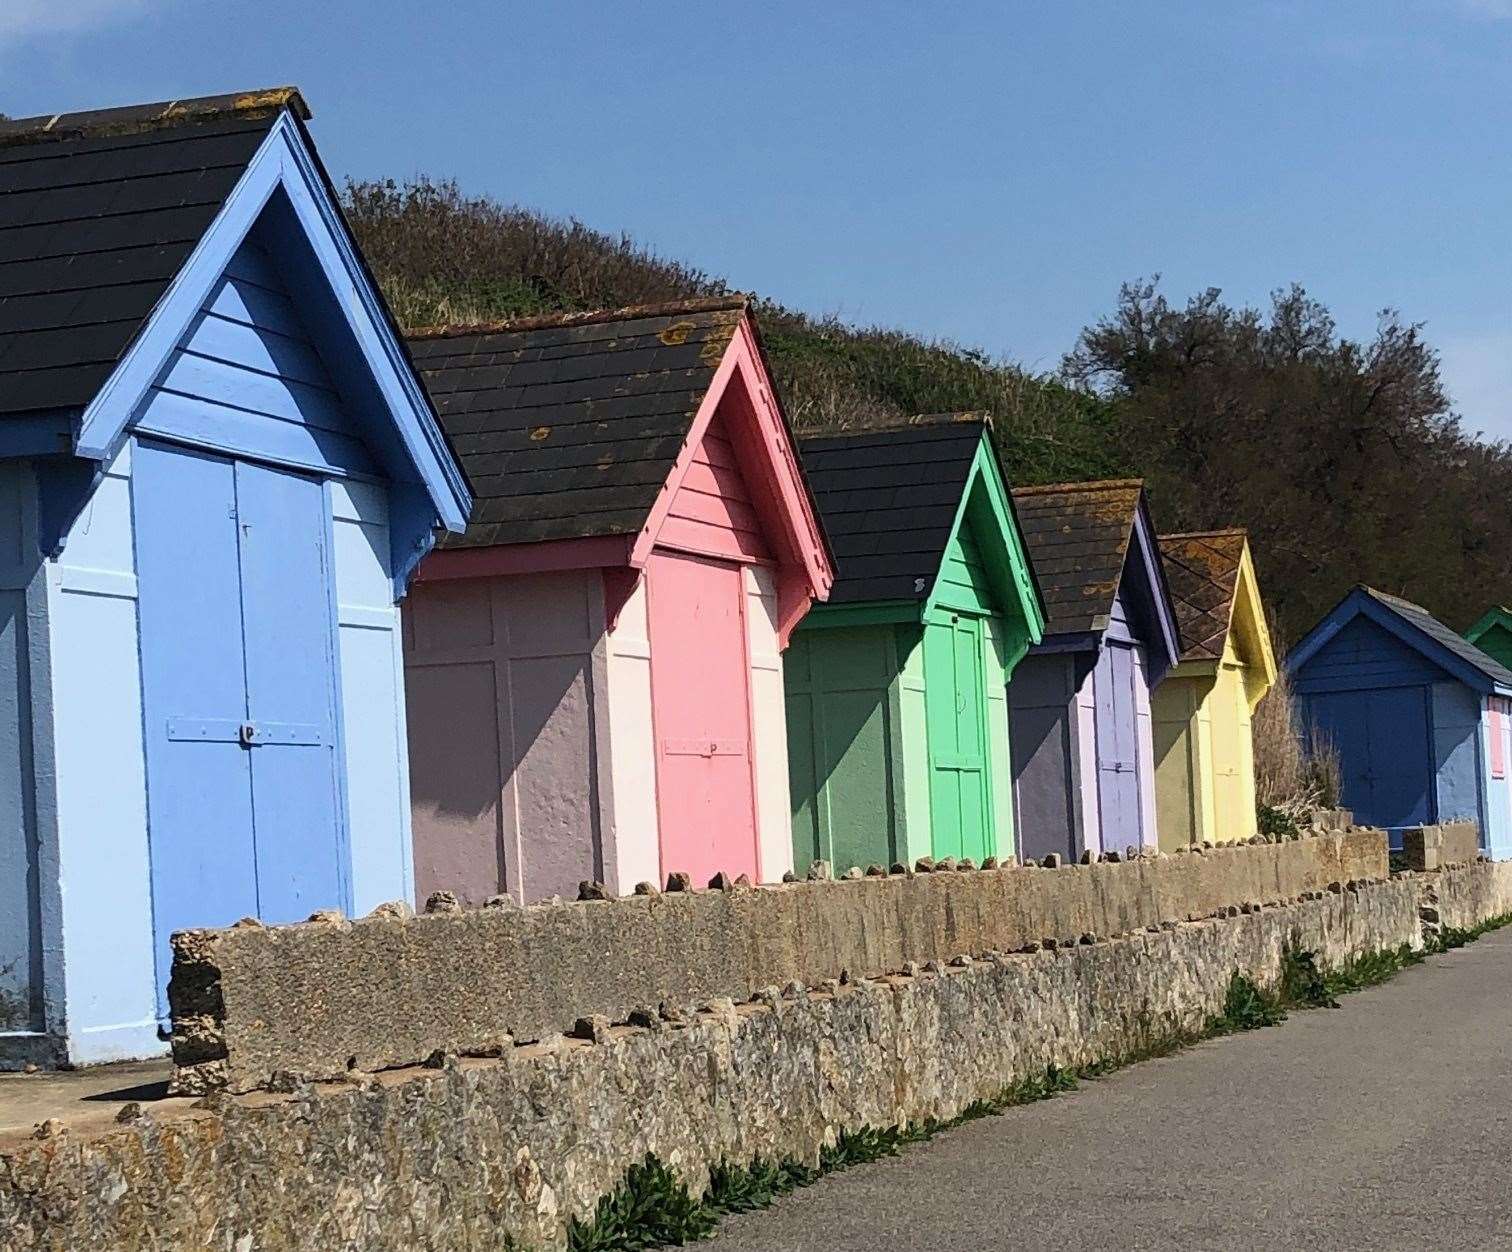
(983, 172)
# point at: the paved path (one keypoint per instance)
(1384, 1124)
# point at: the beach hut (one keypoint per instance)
(1204, 749)
(897, 708)
(1079, 703)
(1417, 715)
(1492, 634)
(217, 473)
(594, 672)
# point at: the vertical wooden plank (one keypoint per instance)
(917, 838)
(998, 731)
(290, 665)
(371, 697)
(633, 743)
(1042, 699)
(769, 742)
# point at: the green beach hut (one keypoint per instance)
(897, 687)
(1493, 634)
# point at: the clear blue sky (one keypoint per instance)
(987, 172)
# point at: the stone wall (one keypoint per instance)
(319, 998)
(460, 1155)
(1463, 896)
(1434, 847)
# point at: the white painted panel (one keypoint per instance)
(774, 817)
(912, 724)
(104, 872)
(994, 665)
(632, 741)
(1086, 768)
(372, 699)
(1144, 745)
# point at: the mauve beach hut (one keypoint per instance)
(1204, 743)
(594, 667)
(1417, 715)
(218, 472)
(1079, 703)
(897, 700)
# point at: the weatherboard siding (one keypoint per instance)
(711, 511)
(247, 378)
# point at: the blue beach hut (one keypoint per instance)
(217, 474)
(1417, 714)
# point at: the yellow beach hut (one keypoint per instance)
(1204, 753)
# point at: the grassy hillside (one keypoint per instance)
(445, 257)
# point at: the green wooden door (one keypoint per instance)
(960, 804)
(843, 746)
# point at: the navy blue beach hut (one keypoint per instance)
(1417, 714)
(217, 473)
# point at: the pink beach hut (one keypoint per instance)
(594, 669)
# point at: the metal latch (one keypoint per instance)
(247, 734)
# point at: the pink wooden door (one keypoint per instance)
(701, 710)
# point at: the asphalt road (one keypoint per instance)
(1386, 1123)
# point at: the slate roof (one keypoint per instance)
(1078, 536)
(98, 212)
(1462, 648)
(568, 425)
(888, 498)
(1202, 570)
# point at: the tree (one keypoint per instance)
(1344, 460)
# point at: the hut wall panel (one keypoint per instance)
(769, 742)
(101, 796)
(1363, 655)
(1490, 800)
(371, 696)
(504, 768)
(914, 724)
(20, 904)
(1046, 749)
(632, 738)
(999, 731)
(1085, 712)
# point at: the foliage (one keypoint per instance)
(1342, 458)
(651, 1208)
(1246, 1006)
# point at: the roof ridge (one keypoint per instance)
(1222, 532)
(919, 421)
(586, 317)
(161, 115)
(1095, 484)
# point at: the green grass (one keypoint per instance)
(653, 1208)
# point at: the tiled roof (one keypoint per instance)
(98, 212)
(1202, 569)
(568, 425)
(888, 497)
(1078, 537)
(1442, 635)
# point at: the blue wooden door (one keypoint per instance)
(1117, 750)
(1385, 755)
(238, 694)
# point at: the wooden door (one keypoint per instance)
(237, 656)
(1384, 754)
(701, 711)
(960, 811)
(1117, 746)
